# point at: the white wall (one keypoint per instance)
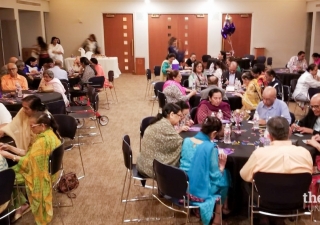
(30, 27)
(314, 7)
(316, 46)
(277, 25)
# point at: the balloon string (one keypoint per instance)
(230, 43)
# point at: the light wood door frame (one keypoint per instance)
(119, 39)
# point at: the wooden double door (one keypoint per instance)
(118, 40)
(190, 30)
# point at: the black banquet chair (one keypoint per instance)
(157, 87)
(111, 80)
(162, 99)
(97, 83)
(143, 126)
(276, 197)
(131, 174)
(7, 178)
(173, 184)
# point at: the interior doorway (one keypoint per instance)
(241, 38)
(118, 39)
(191, 31)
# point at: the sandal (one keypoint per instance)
(196, 212)
(18, 215)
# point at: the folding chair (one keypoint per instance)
(173, 185)
(272, 195)
(143, 126)
(111, 80)
(157, 87)
(67, 128)
(162, 99)
(148, 74)
(133, 174)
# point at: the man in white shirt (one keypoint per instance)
(58, 72)
(298, 62)
(5, 117)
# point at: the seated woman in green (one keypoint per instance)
(32, 167)
(205, 166)
(166, 66)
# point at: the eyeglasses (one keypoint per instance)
(181, 115)
(34, 125)
(314, 106)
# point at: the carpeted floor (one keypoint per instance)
(98, 195)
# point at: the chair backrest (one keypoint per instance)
(127, 152)
(67, 125)
(57, 107)
(251, 57)
(110, 75)
(313, 91)
(144, 124)
(66, 86)
(193, 113)
(148, 73)
(162, 99)
(55, 158)
(158, 87)
(97, 82)
(205, 58)
(13, 113)
(286, 93)
(156, 70)
(186, 83)
(171, 181)
(293, 84)
(7, 178)
(282, 190)
(261, 59)
(269, 61)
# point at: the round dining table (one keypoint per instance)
(242, 147)
(15, 104)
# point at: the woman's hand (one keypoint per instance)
(313, 142)
(4, 147)
(304, 130)
(184, 128)
(1, 133)
(189, 123)
(222, 160)
(6, 154)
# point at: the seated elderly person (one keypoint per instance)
(280, 157)
(310, 124)
(212, 83)
(229, 77)
(307, 80)
(161, 141)
(213, 105)
(173, 89)
(273, 81)
(5, 117)
(270, 106)
(8, 82)
(58, 72)
(252, 96)
(50, 83)
(4, 69)
(21, 71)
(298, 62)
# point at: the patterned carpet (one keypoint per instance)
(98, 195)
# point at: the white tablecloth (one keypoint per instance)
(107, 63)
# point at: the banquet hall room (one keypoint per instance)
(136, 32)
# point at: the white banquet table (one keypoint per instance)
(107, 63)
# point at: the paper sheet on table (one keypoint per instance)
(195, 129)
(230, 88)
(226, 151)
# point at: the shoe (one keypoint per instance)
(18, 213)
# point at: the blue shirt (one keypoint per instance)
(279, 108)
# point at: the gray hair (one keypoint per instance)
(278, 128)
(20, 63)
(49, 73)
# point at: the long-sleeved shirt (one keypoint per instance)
(173, 94)
(294, 63)
(278, 108)
(279, 157)
(305, 82)
(8, 83)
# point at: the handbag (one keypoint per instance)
(67, 183)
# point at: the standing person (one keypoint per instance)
(42, 51)
(56, 50)
(91, 44)
(173, 48)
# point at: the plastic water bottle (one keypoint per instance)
(220, 115)
(227, 134)
(256, 121)
(267, 141)
(194, 86)
(213, 114)
(18, 90)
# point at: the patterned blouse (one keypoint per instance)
(3, 163)
(162, 142)
(173, 94)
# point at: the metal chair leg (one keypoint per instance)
(114, 89)
(125, 205)
(124, 184)
(79, 148)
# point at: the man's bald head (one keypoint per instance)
(212, 80)
(269, 95)
(58, 63)
(315, 104)
(233, 67)
(13, 60)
